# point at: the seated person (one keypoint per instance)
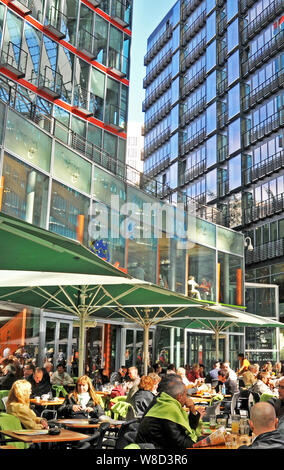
(261, 384)
(205, 288)
(83, 402)
(132, 385)
(249, 376)
(40, 383)
(182, 372)
(263, 423)
(18, 404)
(279, 402)
(144, 396)
(60, 377)
(192, 291)
(118, 376)
(166, 424)
(231, 386)
(8, 378)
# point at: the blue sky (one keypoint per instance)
(147, 15)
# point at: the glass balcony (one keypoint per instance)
(161, 65)
(192, 55)
(160, 114)
(192, 29)
(270, 165)
(222, 153)
(87, 44)
(115, 118)
(117, 63)
(264, 209)
(188, 7)
(222, 120)
(269, 49)
(264, 128)
(50, 82)
(263, 91)
(222, 52)
(223, 188)
(24, 6)
(246, 4)
(192, 112)
(193, 172)
(158, 167)
(222, 86)
(14, 59)
(158, 44)
(263, 19)
(193, 141)
(156, 142)
(120, 12)
(56, 23)
(269, 250)
(193, 82)
(80, 100)
(156, 93)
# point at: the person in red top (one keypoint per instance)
(194, 375)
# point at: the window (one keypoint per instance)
(234, 101)
(97, 93)
(233, 67)
(234, 136)
(211, 118)
(211, 56)
(235, 172)
(233, 35)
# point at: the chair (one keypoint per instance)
(122, 409)
(212, 411)
(59, 389)
(234, 402)
(3, 395)
(49, 414)
(4, 402)
(120, 440)
(96, 440)
(252, 399)
(10, 422)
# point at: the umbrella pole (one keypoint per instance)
(146, 348)
(217, 344)
(82, 331)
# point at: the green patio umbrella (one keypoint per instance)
(217, 325)
(42, 269)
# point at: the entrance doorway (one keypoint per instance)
(56, 341)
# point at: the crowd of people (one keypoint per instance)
(168, 417)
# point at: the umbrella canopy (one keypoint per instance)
(235, 317)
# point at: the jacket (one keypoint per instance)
(41, 388)
(67, 411)
(28, 418)
(141, 401)
(166, 433)
(279, 408)
(7, 381)
(267, 440)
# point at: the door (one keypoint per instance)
(57, 341)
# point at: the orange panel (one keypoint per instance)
(1, 191)
(80, 228)
(239, 287)
(218, 281)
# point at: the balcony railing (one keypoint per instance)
(223, 188)
(222, 86)
(188, 7)
(155, 169)
(222, 153)
(157, 46)
(157, 141)
(14, 59)
(193, 55)
(24, 6)
(222, 53)
(222, 119)
(263, 19)
(56, 23)
(193, 172)
(191, 30)
(269, 49)
(163, 62)
(50, 82)
(160, 114)
(80, 100)
(194, 82)
(117, 63)
(267, 208)
(192, 112)
(246, 4)
(87, 43)
(221, 25)
(264, 128)
(268, 166)
(268, 250)
(156, 93)
(263, 91)
(120, 12)
(193, 141)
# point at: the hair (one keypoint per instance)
(181, 371)
(156, 367)
(10, 368)
(30, 366)
(174, 388)
(223, 373)
(171, 367)
(60, 364)
(38, 369)
(146, 383)
(20, 392)
(241, 355)
(166, 380)
(157, 379)
(262, 375)
(84, 379)
(195, 366)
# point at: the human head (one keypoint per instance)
(156, 378)
(157, 368)
(281, 388)
(225, 366)
(133, 373)
(166, 380)
(263, 418)
(84, 384)
(176, 389)
(38, 374)
(28, 370)
(9, 369)
(263, 376)
(20, 392)
(195, 367)
(254, 368)
(223, 376)
(216, 365)
(147, 383)
(60, 368)
(241, 356)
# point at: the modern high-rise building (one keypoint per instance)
(214, 116)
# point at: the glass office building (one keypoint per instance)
(214, 119)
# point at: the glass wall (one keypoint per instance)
(201, 272)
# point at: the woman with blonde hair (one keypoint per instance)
(18, 404)
(83, 402)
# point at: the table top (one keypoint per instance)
(8, 446)
(240, 441)
(65, 436)
(85, 424)
(59, 401)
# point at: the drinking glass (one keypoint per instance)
(235, 424)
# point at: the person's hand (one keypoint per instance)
(76, 408)
(89, 409)
(201, 410)
(44, 423)
(190, 404)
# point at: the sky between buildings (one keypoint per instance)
(147, 14)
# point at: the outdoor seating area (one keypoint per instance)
(125, 410)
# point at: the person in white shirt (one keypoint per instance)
(192, 291)
(60, 377)
(232, 374)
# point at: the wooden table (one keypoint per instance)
(59, 401)
(84, 423)
(240, 442)
(65, 436)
